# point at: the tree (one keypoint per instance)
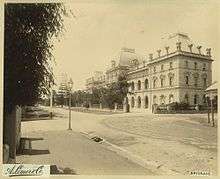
(29, 29)
(115, 92)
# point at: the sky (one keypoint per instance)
(99, 29)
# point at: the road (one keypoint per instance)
(167, 144)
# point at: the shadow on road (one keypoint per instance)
(26, 147)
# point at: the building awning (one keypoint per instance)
(212, 90)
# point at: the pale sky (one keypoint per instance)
(101, 28)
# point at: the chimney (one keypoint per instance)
(167, 49)
(190, 47)
(199, 49)
(178, 46)
(159, 51)
(208, 52)
(151, 56)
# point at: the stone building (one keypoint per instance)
(96, 81)
(180, 72)
(125, 60)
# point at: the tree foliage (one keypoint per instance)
(29, 29)
(113, 93)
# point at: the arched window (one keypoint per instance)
(146, 84)
(132, 86)
(195, 99)
(155, 99)
(139, 101)
(186, 98)
(195, 65)
(132, 102)
(162, 99)
(171, 80)
(146, 102)
(155, 83)
(139, 85)
(170, 98)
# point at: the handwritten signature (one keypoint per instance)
(24, 170)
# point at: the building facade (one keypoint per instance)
(125, 60)
(96, 81)
(179, 73)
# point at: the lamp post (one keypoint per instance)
(51, 102)
(70, 85)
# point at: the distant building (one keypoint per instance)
(126, 59)
(180, 72)
(96, 81)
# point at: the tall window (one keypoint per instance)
(195, 99)
(187, 80)
(204, 67)
(186, 64)
(162, 99)
(154, 69)
(186, 98)
(204, 99)
(204, 82)
(170, 98)
(171, 80)
(195, 65)
(132, 86)
(146, 84)
(139, 85)
(139, 101)
(196, 81)
(161, 67)
(132, 101)
(155, 83)
(146, 102)
(171, 65)
(162, 82)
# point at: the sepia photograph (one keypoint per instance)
(110, 87)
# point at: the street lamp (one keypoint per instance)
(70, 85)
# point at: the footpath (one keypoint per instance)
(71, 152)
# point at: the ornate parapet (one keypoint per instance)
(208, 52)
(151, 56)
(190, 47)
(159, 52)
(199, 49)
(167, 50)
(178, 46)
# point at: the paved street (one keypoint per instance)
(166, 143)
